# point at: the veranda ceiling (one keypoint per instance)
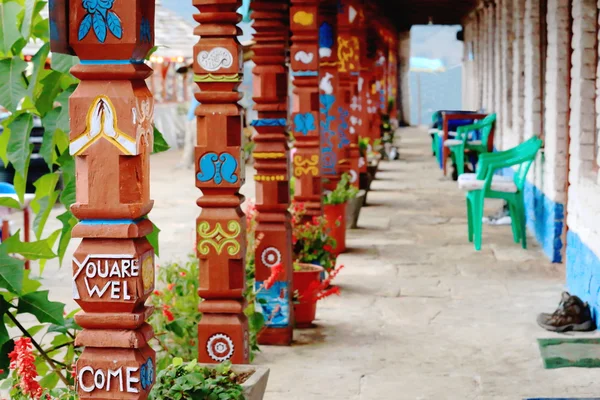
(405, 13)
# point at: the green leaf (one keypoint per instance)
(177, 327)
(256, 321)
(45, 198)
(5, 350)
(4, 308)
(39, 62)
(9, 33)
(63, 62)
(45, 102)
(28, 18)
(49, 381)
(10, 203)
(30, 285)
(153, 239)
(177, 361)
(68, 222)
(44, 310)
(160, 144)
(30, 250)
(11, 271)
(18, 144)
(12, 84)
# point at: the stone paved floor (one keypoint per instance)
(422, 315)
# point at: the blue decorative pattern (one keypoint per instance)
(328, 155)
(269, 122)
(325, 36)
(343, 128)
(145, 31)
(274, 304)
(147, 374)
(304, 123)
(305, 73)
(109, 221)
(100, 17)
(219, 168)
(583, 273)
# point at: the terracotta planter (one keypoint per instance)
(256, 384)
(305, 311)
(335, 213)
(353, 209)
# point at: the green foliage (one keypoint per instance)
(181, 381)
(176, 318)
(343, 192)
(311, 239)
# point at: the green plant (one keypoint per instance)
(343, 192)
(32, 90)
(363, 146)
(311, 240)
(176, 318)
(182, 381)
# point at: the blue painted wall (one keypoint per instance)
(583, 273)
(545, 218)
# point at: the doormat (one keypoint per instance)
(564, 353)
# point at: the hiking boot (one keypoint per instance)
(572, 314)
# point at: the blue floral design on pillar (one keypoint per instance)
(325, 39)
(329, 158)
(218, 168)
(145, 31)
(100, 17)
(304, 123)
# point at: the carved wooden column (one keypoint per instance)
(111, 139)
(349, 56)
(220, 229)
(270, 77)
(305, 110)
(360, 102)
(328, 88)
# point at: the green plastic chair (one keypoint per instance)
(485, 184)
(461, 144)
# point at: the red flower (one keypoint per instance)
(22, 360)
(327, 293)
(182, 274)
(170, 286)
(74, 370)
(167, 313)
(157, 293)
(275, 272)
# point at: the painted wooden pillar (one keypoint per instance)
(221, 227)
(360, 102)
(349, 54)
(271, 155)
(111, 140)
(304, 62)
(329, 115)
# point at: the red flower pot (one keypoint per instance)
(336, 222)
(305, 311)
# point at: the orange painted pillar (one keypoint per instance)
(271, 155)
(221, 227)
(329, 111)
(111, 140)
(304, 63)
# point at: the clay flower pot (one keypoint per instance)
(305, 311)
(353, 209)
(336, 222)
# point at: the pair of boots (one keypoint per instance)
(572, 314)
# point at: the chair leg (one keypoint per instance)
(478, 202)
(459, 156)
(515, 222)
(470, 219)
(523, 220)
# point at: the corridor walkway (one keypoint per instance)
(422, 315)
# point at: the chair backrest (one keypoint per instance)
(487, 128)
(522, 155)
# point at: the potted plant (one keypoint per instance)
(312, 242)
(334, 209)
(309, 289)
(187, 381)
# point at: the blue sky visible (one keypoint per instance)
(182, 7)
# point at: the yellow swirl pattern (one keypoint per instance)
(306, 166)
(219, 238)
(303, 18)
(217, 78)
